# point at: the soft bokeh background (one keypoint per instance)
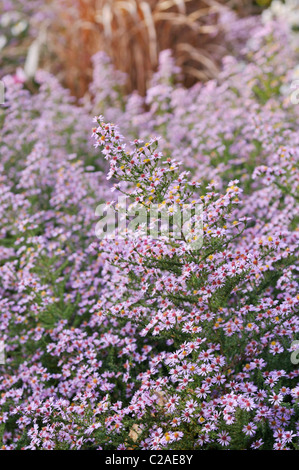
(62, 36)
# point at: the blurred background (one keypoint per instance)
(61, 36)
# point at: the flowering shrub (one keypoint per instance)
(140, 342)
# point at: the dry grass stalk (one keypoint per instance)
(133, 32)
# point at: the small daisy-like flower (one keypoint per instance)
(276, 398)
(249, 429)
(257, 444)
(224, 438)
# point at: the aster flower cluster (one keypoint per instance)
(139, 342)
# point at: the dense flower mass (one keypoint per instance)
(139, 342)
